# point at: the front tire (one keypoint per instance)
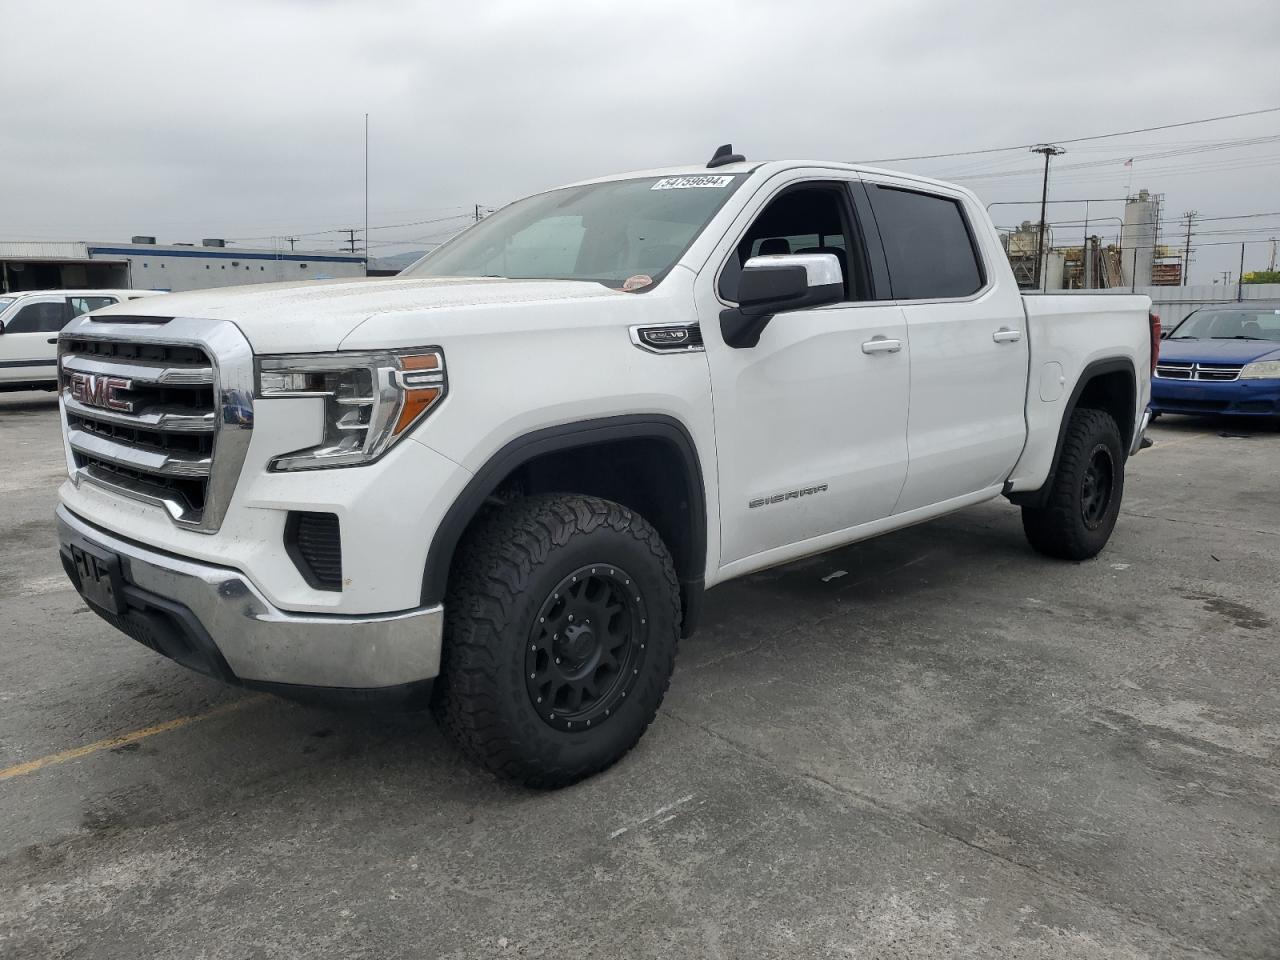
(562, 617)
(1084, 499)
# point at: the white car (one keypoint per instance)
(29, 325)
(517, 466)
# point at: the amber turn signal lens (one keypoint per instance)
(416, 403)
(427, 361)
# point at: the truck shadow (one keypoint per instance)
(1181, 424)
(28, 402)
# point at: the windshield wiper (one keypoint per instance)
(1240, 336)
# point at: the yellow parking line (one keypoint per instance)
(75, 753)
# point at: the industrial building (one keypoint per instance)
(1137, 260)
(144, 264)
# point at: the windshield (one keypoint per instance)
(622, 233)
(4, 303)
(1230, 323)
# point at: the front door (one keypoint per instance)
(811, 423)
(25, 350)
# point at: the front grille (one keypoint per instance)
(1179, 370)
(314, 543)
(141, 417)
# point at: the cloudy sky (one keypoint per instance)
(245, 118)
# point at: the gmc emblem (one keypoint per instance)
(99, 391)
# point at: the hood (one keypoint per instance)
(1219, 351)
(315, 315)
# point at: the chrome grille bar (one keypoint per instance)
(163, 419)
(143, 459)
(140, 371)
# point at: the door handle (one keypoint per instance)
(881, 345)
(1005, 335)
(53, 340)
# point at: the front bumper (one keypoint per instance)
(213, 620)
(1256, 398)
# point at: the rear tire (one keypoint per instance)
(1085, 493)
(561, 623)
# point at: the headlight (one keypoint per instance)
(1262, 370)
(371, 399)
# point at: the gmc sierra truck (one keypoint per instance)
(501, 481)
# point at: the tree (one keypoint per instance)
(1262, 276)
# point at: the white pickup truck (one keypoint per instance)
(514, 469)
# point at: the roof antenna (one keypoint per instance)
(724, 154)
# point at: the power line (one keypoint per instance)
(1160, 155)
(1099, 136)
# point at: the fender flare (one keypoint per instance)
(1037, 498)
(569, 436)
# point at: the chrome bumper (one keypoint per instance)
(257, 641)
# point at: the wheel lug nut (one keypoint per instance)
(557, 659)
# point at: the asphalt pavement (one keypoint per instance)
(933, 744)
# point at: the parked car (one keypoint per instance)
(1223, 359)
(29, 325)
(517, 465)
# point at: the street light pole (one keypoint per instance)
(1049, 150)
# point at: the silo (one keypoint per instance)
(1138, 238)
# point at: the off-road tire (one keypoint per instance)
(507, 567)
(1060, 528)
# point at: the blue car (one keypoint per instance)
(1221, 360)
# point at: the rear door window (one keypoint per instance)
(81, 305)
(927, 243)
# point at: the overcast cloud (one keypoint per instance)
(245, 119)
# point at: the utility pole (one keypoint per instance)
(292, 241)
(477, 213)
(1272, 268)
(366, 196)
(351, 238)
(1190, 217)
(1240, 276)
(1084, 251)
(1049, 150)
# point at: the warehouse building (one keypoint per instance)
(144, 264)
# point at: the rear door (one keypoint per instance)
(969, 350)
(25, 350)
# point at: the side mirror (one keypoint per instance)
(775, 284)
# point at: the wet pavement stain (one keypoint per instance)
(1238, 613)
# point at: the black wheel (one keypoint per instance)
(561, 623)
(1084, 499)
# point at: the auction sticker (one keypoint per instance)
(684, 183)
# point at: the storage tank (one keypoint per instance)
(1138, 238)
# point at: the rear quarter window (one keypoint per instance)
(927, 243)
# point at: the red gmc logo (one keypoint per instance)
(97, 391)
